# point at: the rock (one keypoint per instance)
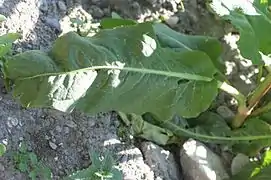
(97, 12)
(225, 112)
(12, 122)
(66, 130)
(136, 9)
(58, 129)
(200, 163)
(52, 145)
(161, 161)
(133, 165)
(172, 21)
(71, 124)
(53, 23)
(152, 1)
(2, 168)
(43, 6)
(238, 162)
(62, 6)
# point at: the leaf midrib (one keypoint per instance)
(129, 69)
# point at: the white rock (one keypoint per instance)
(52, 145)
(133, 165)
(172, 21)
(200, 163)
(238, 162)
(12, 122)
(161, 161)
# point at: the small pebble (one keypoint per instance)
(97, 12)
(58, 129)
(225, 112)
(66, 130)
(43, 6)
(12, 122)
(47, 137)
(71, 124)
(53, 23)
(52, 145)
(62, 6)
(238, 162)
(2, 168)
(172, 21)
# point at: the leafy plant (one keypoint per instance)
(6, 40)
(27, 162)
(256, 170)
(2, 149)
(155, 75)
(100, 169)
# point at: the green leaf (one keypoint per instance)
(4, 49)
(33, 158)
(253, 127)
(143, 129)
(169, 38)
(107, 163)
(256, 171)
(109, 23)
(23, 166)
(211, 128)
(84, 174)
(115, 15)
(253, 22)
(117, 175)
(2, 149)
(123, 69)
(44, 172)
(9, 38)
(33, 175)
(2, 18)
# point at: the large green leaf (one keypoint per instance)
(210, 127)
(123, 69)
(253, 20)
(169, 38)
(181, 42)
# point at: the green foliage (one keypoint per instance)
(160, 82)
(138, 127)
(256, 170)
(100, 169)
(27, 162)
(2, 149)
(6, 40)
(133, 68)
(111, 70)
(253, 21)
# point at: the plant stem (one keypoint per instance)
(241, 99)
(258, 93)
(261, 110)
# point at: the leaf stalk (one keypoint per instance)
(245, 111)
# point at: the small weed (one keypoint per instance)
(100, 169)
(2, 149)
(27, 162)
